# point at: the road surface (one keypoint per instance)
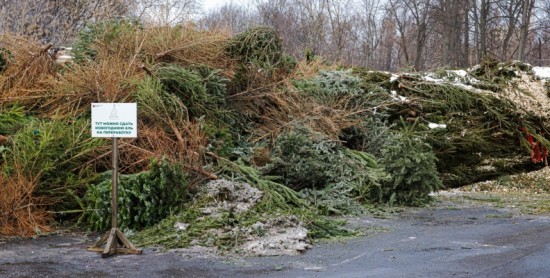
(448, 240)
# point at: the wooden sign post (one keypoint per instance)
(114, 120)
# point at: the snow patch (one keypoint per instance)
(231, 196)
(430, 78)
(461, 73)
(395, 96)
(181, 226)
(542, 72)
(284, 235)
(434, 125)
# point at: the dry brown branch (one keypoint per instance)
(26, 72)
(147, 70)
(49, 90)
(3, 140)
(278, 108)
(45, 48)
(156, 142)
(307, 70)
(21, 213)
(186, 46)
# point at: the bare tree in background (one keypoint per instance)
(526, 12)
(369, 31)
(58, 21)
(55, 20)
(340, 22)
(541, 34)
(449, 16)
(401, 19)
(230, 16)
(164, 12)
(506, 30)
(420, 13)
(381, 34)
(423, 34)
(480, 16)
(412, 19)
(388, 42)
(301, 23)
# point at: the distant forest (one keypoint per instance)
(379, 34)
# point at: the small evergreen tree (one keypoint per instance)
(411, 163)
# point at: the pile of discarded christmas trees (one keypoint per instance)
(316, 138)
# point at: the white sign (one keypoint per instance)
(114, 120)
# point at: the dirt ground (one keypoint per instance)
(465, 234)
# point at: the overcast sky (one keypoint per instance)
(212, 4)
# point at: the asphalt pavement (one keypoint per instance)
(448, 240)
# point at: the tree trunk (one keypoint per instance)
(524, 30)
(476, 30)
(483, 15)
(511, 14)
(466, 53)
(420, 14)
